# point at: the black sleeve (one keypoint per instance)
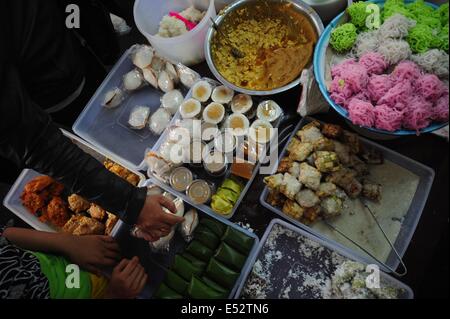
(30, 139)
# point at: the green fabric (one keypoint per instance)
(54, 268)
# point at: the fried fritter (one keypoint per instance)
(275, 199)
(310, 215)
(309, 134)
(309, 176)
(285, 164)
(346, 178)
(353, 141)
(78, 204)
(371, 191)
(38, 184)
(307, 198)
(301, 151)
(81, 225)
(96, 212)
(57, 212)
(332, 131)
(110, 223)
(122, 172)
(292, 209)
(290, 186)
(274, 182)
(331, 207)
(33, 202)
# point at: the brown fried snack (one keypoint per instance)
(81, 225)
(57, 212)
(38, 184)
(78, 204)
(96, 212)
(332, 131)
(121, 172)
(110, 223)
(275, 199)
(353, 141)
(310, 215)
(33, 202)
(285, 165)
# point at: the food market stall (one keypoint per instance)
(150, 99)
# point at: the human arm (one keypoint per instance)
(91, 253)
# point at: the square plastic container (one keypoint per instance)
(290, 248)
(13, 202)
(411, 218)
(162, 262)
(107, 129)
(200, 171)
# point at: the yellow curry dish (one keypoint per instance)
(277, 42)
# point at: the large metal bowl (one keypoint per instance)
(298, 5)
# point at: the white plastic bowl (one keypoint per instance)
(187, 48)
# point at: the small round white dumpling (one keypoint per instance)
(172, 100)
(222, 95)
(214, 113)
(143, 56)
(241, 103)
(159, 121)
(133, 80)
(190, 108)
(201, 91)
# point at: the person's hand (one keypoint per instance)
(127, 280)
(92, 253)
(153, 222)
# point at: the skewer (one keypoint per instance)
(399, 274)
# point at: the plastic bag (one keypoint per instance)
(311, 100)
(189, 224)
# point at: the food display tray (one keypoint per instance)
(290, 248)
(107, 129)
(13, 202)
(200, 171)
(410, 220)
(160, 262)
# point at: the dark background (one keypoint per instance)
(427, 255)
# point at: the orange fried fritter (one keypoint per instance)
(78, 204)
(38, 184)
(82, 225)
(57, 212)
(33, 202)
